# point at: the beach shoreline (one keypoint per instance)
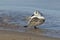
(11, 35)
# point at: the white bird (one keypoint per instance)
(35, 20)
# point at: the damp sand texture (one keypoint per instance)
(9, 35)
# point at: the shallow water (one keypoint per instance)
(19, 9)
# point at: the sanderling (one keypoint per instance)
(35, 20)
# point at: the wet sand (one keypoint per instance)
(10, 35)
(31, 34)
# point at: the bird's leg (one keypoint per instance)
(35, 27)
(26, 26)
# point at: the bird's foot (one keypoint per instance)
(25, 26)
(35, 27)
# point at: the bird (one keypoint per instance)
(35, 20)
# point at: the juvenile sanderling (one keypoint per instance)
(35, 20)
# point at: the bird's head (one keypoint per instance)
(37, 13)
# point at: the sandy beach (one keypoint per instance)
(30, 34)
(10, 35)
